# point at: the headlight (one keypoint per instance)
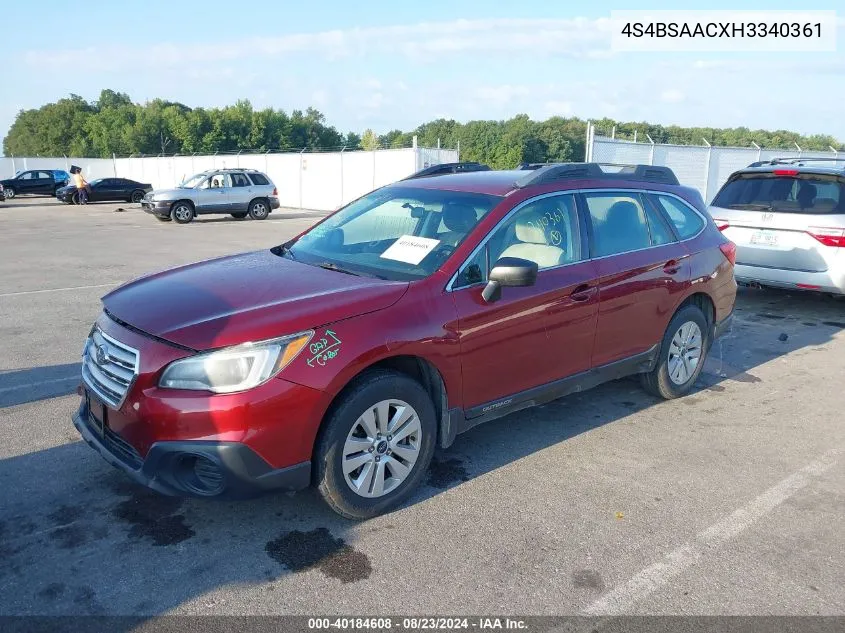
(234, 368)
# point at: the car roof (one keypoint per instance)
(808, 165)
(566, 175)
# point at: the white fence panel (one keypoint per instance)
(700, 166)
(359, 174)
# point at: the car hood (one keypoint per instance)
(66, 189)
(172, 194)
(247, 297)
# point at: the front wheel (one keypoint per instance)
(376, 445)
(682, 355)
(259, 209)
(182, 212)
(10, 192)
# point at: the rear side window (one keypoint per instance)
(687, 222)
(660, 231)
(619, 223)
(239, 180)
(259, 179)
(785, 194)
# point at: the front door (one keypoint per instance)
(642, 270)
(535, 335)
(213, 195)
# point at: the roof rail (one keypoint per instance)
(593, 171)
(448, 168)
(797, 161)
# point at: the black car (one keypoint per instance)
(43, 182)
(104, 189)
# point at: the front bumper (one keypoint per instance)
(160, 208)
(194, 468)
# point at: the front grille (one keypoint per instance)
(121, 449)
(108, 367)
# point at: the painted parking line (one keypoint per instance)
(619, 601)
(40, 383)
(65, 289)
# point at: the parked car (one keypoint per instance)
(422, 309)
(104, 189)
(787, 218)
(43, 182)
(237, 192)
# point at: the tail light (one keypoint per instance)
(786, 172)
(828, 236)
(721, 224)
(275, 191)
(729, 251)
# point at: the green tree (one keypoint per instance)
(369, 140)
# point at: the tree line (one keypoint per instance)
(114, 124)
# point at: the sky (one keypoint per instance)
(387, 65)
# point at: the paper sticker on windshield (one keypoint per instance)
(410, 249)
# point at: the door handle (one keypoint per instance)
(672, 267)
(583, 292)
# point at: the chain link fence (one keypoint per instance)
(701, 166)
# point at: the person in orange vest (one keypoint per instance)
(81, 187)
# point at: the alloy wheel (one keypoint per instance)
(381, 448)
(685, 353)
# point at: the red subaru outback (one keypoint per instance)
(345, 356)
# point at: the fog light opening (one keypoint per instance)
(199, 474)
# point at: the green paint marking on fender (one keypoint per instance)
(324, 349)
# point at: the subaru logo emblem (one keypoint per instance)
(102, 354)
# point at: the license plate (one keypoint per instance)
(96, 415)
(764, 238)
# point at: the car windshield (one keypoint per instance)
(803, 193)
(193, 181)
(397, 233)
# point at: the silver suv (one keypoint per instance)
(787, 219)
(238, 192)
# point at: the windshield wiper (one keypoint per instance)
(336, 268)
(761, 207)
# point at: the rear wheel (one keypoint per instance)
(259, 209)
(182, 212)
(137, 196)
(682, 354)
(376, 445)
(10, 192)
(239, 216)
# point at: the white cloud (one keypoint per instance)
(578, 37)
(672, 95)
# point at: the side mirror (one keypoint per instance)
(509, 271)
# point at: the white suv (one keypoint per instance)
(237, 192)
(787, 219)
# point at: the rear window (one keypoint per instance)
(259, 179)
(786, 194)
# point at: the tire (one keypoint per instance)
(343, 434)
(259, 209)
(239, 216)
(136, 197)
(10, 192)
(182, 212)
(660, 382)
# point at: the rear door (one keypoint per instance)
(241, 193)
(781, 219)
(643, 268)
